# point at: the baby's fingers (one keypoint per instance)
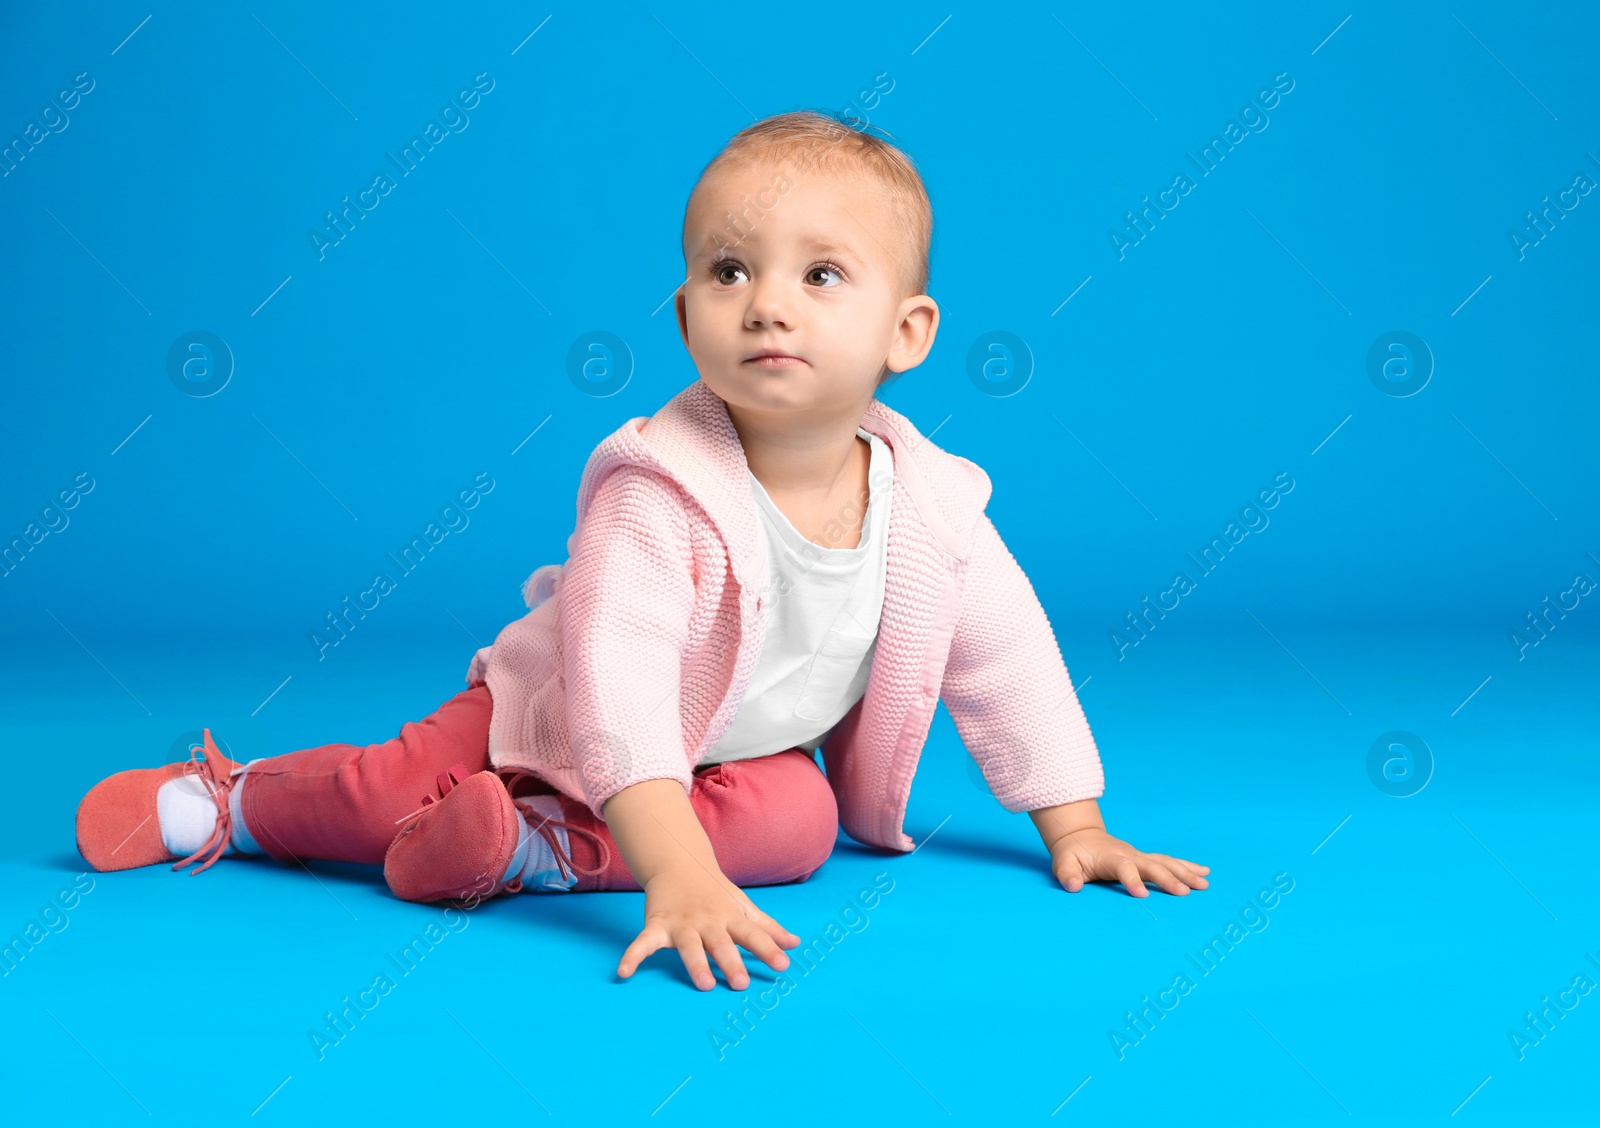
(1165, 878)
(1128, 874)
(651, 939)
(782, 935)
(1178, 865)
(1194, 875)
(727, 953)
(759, 944)
(693, 955)
(1070, 874)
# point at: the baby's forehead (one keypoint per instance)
(817, 240)
(793, 167)
(765, 207)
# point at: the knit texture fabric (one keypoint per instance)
(635, 654)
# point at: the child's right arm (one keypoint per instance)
(688, 903)
(628, 593)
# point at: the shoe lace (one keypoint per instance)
(213, 770)
(446, 781)
(544, 826)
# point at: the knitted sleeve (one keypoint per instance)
(627, 596)
(1008, 691)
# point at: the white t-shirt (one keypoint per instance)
(822, 612)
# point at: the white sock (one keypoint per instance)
(187, 814)
(242, 842)
(533, 858)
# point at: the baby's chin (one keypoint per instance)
(760, 390)
(795, 391)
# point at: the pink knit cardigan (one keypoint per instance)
(634, 656)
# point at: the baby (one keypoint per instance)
(775, 562)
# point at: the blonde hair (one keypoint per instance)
(810, 140)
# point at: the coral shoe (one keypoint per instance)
(118, 827)
(460, 846)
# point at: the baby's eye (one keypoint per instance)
(721, 267)
(825, 268)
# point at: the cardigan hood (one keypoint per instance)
(692, 441)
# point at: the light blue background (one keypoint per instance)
(1226, 348)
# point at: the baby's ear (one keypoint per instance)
(680, 303)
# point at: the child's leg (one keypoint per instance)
(771, 820)
(342, 802)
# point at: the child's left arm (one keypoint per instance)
(1013, 702)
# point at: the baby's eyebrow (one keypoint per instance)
(712, 247)
(839, 249)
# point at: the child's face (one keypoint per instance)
(816, 275)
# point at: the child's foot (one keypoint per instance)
(477, 842)
(148, 815)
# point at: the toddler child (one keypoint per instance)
(775, 562)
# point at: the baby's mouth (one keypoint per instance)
(774, 362)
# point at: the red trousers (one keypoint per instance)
(771, 820)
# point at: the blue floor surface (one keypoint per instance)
(1408, 946)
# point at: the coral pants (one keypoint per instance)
(770, 820)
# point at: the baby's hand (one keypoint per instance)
(696, 911)
(1093, 855)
